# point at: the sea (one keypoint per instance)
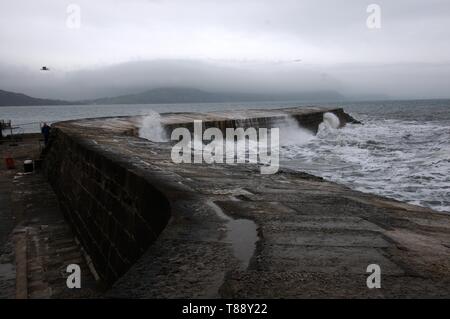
(401, 151)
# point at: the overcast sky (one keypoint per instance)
(125, 46)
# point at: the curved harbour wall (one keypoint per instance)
(115, 209)
(166, 229)
(308, 118)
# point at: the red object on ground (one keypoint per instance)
(9, 161)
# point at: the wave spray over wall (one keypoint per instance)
(152, 129)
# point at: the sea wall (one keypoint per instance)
(115, 213)
(309, 120)
(115, 209)
(120, 192)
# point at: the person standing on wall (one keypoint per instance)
(45, 130)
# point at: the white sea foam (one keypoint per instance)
(405, 160)
(151, 128)
(291, 133)
(330, 122)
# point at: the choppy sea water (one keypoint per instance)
(401, 151)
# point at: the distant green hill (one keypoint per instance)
(19, 99)
(189, 95)
(172, 95)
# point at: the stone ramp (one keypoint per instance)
(37, 243)
(7, 264)
(47, 242)
(314, 238)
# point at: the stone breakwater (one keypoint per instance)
(158, 229)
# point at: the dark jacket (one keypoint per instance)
(45, 130)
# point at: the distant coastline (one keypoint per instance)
(19, 99)
(171, 95)
(189, 95)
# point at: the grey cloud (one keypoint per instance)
(127, 46)
(245, 77)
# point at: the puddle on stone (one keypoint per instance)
(242, 233)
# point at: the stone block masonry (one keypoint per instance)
(113, 211)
